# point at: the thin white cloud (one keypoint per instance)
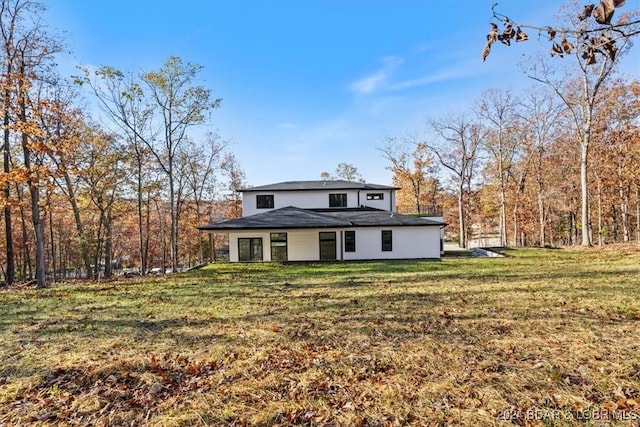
(424, 47)
(286, 126)
(377, 80)
(453, 73)
(369, 84)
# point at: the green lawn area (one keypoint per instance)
(544, 335)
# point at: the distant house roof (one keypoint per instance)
(317, 185)
(296, 218)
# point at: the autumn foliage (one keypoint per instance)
(82, 199)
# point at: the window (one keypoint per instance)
(338, 200)
(349, 241)
(387, 240)
(327, 245)
(375, 196)
(279, 246)
(264, 201)
(250, 250)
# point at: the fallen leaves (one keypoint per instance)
(122, 393)
(458, 343)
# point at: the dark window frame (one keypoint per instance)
(387, 240)
(337, 200)
(329, 237)
(349, 241)
(375, 196)
(252, 241)
(278, 240)
(264, 201)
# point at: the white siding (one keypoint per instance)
(304, 245)
(441, 219)
(249, 204)
(233, 243)
(408, 243)
(316, 199)
(387, 203)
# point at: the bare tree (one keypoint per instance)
(121, 98)
(201, 163)
(541, 115)
(345, 171)
(497, 108)
(156, 110)
(413, 172)
(458, 149)
(178, 105)
(596, 43)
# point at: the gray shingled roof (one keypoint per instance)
(295, 218)
(369, 217)
(317, 185)
(289, 217)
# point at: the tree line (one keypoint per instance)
(556, 165)
(512, 167)
(81, 197)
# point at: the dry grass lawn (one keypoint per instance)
(542, 337)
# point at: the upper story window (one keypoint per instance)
(264, 201)
(375, 196)
(338, 200)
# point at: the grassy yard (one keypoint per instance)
(542, 337)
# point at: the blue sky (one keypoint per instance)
(308, 84)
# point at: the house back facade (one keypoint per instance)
(327, 221)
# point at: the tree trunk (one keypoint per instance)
(516, 229)
(163, 237)
(39, 233)
(638, 213)
(624, 212)
(600, 230)
(616, 223)
(584, 190)
(502, 196)
(10, 272)
(26, 269)
(52, 242)
(174, 220)
(516, 205)
(461, 217)
(142, 247)
(108, 246)
(97, 255)
(212, 247)
(541, 217)
(84, 246)
(503, 219)
(34, 191)
(147, 234)
(200, 242)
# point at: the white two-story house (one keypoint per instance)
(327, 220)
